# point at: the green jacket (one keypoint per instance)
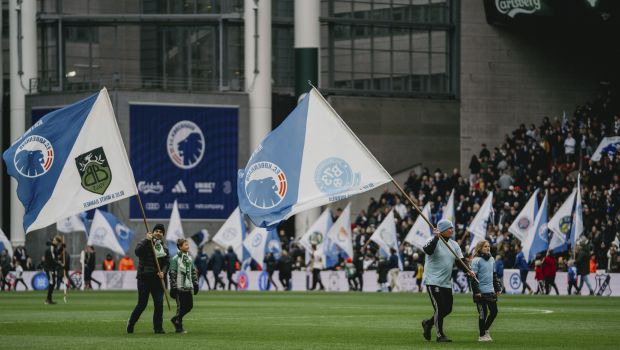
(182, 271)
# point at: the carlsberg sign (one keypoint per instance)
(514, 7)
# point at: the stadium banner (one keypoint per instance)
(188, 155)
(334, 281)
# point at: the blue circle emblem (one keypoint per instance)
(40, 281)
(333, 175)
(263, 278)
(515, 281)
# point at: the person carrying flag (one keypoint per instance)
(151, 247)
(437, 277)
(486, 290)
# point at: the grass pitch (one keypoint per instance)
(253, 320)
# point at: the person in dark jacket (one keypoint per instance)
(216, 263)
(583, 268)
(524, 268)
(150, 280)
(53, 256)
(89, 267)
(201, 262)
(382, 271)
(358, 262)
(285, 266)
(231, 266)
(271, 265)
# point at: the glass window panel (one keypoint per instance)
(439, 41)
(419, 41)
(382, 62)
(420, 63)
(401, 63)
(439, 62)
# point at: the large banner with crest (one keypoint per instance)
(187, 153)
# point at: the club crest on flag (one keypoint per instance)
(98, 237)
(524, 223)
(273, 245)
(229, 233)
(185, 144)
(386, 237)
(565, 224)
(343, 235)
(542, 232)
(94, 170)
(265, 185)
(122, 231)
(34, 156)
(257, 240)
(334, 175)
(316, 238)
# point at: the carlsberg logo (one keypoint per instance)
(513, 7)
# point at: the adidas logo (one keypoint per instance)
(179, 187)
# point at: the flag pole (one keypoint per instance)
(161, 279)
(433, 227)
(64, 270)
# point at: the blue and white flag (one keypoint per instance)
(311, 159)
(340, 232)
(538, 238)
(73, 223)
(609, 146)
(561, 224)
(421, 231)
(386, 238)
(577, 227)
(232, 234)
(71, 160)
(260, 242)
(197, 240)
(316, 235)
(480, 223)
(5, 244)
(108, 232)
(523, 222)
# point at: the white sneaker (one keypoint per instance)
(485, 338)
(488, 335)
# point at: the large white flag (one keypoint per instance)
(262, 241)
(609, 145)
(577, 227)
(523, 222)
(448, 210)
(73, 223)
(232, 234)
(311, 159)
(561, 224)
(420, 232)
(480, 223)
(317, 234)
(175, 229)
(386, 238)
(71, 160)
(108, 232)
(340, 232)
(5, 244)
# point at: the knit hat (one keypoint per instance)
(444, 224)
(159, 227)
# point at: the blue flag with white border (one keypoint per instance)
(538, 238)
(108, 231)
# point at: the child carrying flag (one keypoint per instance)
(183, 281)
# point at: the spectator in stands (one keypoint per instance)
(126, 264)
(109, 264)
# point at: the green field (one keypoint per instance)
(252, 320)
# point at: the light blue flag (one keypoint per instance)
(260, 242)
(232, 234)
(311, 159)
(108, 232)
(561, 224)
(577, 226)
(71, 160)
(538, 239)
(332, 253)
(5, 244)
(273, 245)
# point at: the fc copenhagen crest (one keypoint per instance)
(185, 144)
(95, 171)
(265, 185)
(34, 156)
(524, 223)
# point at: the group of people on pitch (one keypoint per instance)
(154, 268)
(440, 257)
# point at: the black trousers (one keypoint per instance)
(51, 277)
(316, 278)
(218, 281)
(285, 280)
(359, 277)
(229, 276)
(271, 281)
(20, 280)
(524, 281)
(441, 298)
(487, 311)
(149, 286)
(550, 282)
(572, 284)
(204, 276)
(185, 303)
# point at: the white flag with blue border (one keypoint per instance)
(73, 223)
(561, 224)
(448, 210)
(108, 232)
(609, 146)
(71, 160)
(480, 224)
(340, 232)
(524, 221)
(260, 242)
(175, 230)
(577, 227)
(386, 238)
(317, 235)
(311, 159)
(538, 238)
(5, 244)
